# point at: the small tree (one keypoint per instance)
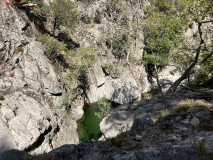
(201, 12)
(119, 45)
(65, 13)
(52, 47)
(97, 18)
(79, 62)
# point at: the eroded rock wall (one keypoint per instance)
(31, 113)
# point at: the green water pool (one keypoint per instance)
(88, 125)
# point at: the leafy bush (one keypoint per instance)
(97, 18)
(52, 47)
(1, 97)
(86, 2)
(65, 13)
(41, 9)
(163, 5)
(108, 43)
(78, 61)
(19, 49)
(163, 113)
(204, 76)
(104, 108)
(200, 147)
(119, 45)
(162, 33)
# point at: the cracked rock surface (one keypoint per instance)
(172, 138)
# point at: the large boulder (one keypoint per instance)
(122, 118)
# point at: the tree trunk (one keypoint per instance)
(133, 75)
(174, 86)
(157, 78)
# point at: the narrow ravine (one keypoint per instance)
(88, 125)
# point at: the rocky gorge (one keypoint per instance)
(38, 115)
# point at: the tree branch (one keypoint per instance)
(174, 86)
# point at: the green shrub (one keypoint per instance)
(65, 100)
(104, 108)
(97, 18)
(79, 62)
(52, 47)
(41, 9)
(65, 13)
(108, 43)
(43, 92)
(163, 113)
(1, 97)
(119, 45)
(113, 70)
(19, 49)
(200, 147)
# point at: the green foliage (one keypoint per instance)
(163, 113)
(120, 44)
(162, 5)
(65, 12)
(113, 70)
(108, 43)
(65, 100)
(200, 147)
(162, 33)
(41, 9)
(78, 61)
(86, 2)
(40, 123)
(112, 5)
(164, 27)
(1, 97)
(204, 74)
(42, 92)
(52, 47)
(200, 9)
(20, 49)
(97, 18)
(104, 108)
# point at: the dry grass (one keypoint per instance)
(183, 106)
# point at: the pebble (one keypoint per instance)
(138, 137)
(195, 121)
(173, 138)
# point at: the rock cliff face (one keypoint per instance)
(110, 76)
(30, 113)
(32, 116)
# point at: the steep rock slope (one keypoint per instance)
(110, 76)
(30, 112)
